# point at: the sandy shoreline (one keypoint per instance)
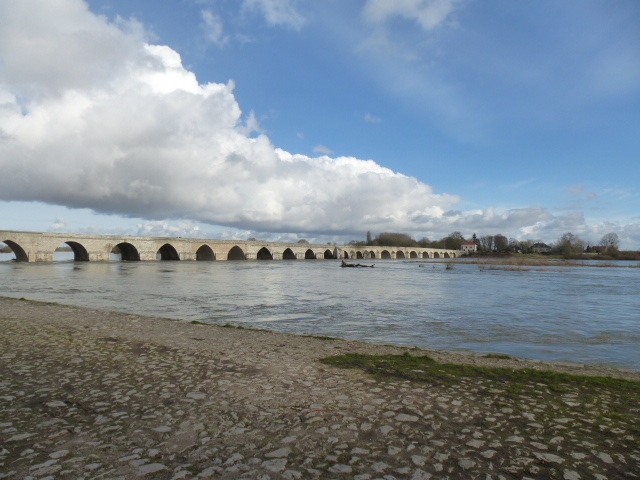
(93, 394)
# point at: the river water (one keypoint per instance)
(577, 314)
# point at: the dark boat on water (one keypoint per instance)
(355, 265)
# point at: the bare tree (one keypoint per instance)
(486, 243)
(610, 240)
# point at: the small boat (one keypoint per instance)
(355, 265)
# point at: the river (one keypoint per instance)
(577, 314)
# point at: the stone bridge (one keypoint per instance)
(40, 246)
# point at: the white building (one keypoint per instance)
(469, 247)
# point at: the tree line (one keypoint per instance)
(452, 241)
(568, 245)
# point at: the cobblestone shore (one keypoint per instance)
(88, 394)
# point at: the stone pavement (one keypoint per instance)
(87, 394)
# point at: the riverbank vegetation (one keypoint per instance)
(568, 246)
(425, 369)
(528, 262)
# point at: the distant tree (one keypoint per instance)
(302, 240)
(393, 239)
(252, 239)
(500, 243)
(369, 238)
(569, 245)
(424, 242)
(486, 243)
(453, 241)
(520, 246)
(611, 241)
(474, 239)
(526, 246)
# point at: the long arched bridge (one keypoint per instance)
(40, 247)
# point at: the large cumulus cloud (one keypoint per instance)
(91, 115)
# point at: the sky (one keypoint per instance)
(321, 119)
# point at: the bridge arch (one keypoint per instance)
(372, 255)
(413, 254)
(385, 254)
(436, 255)
(128, 252)
(205, 254)
(446, 255)
(236, 253)
(288, 255)
(18, 251)
(309, 255)
(167, 252)
(359, 255)
(346, 255)
(264, 254)
(400, 254)
(80, 253)
(425, 255)
(328, 254)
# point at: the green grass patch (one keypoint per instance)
(198, 322)
(426, 369)
(229, 325)
(240, 327)
(322, 337)
(502, 356)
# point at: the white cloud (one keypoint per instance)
(144, 139)
(371, 118)
(213, 28)
(59, 225)
(251, 125)
(277, 12)
(185, 229)
(323, 149)
(427, 13)
(576, 189)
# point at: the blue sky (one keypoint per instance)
(286, 119)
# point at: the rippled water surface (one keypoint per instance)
(579, 314)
